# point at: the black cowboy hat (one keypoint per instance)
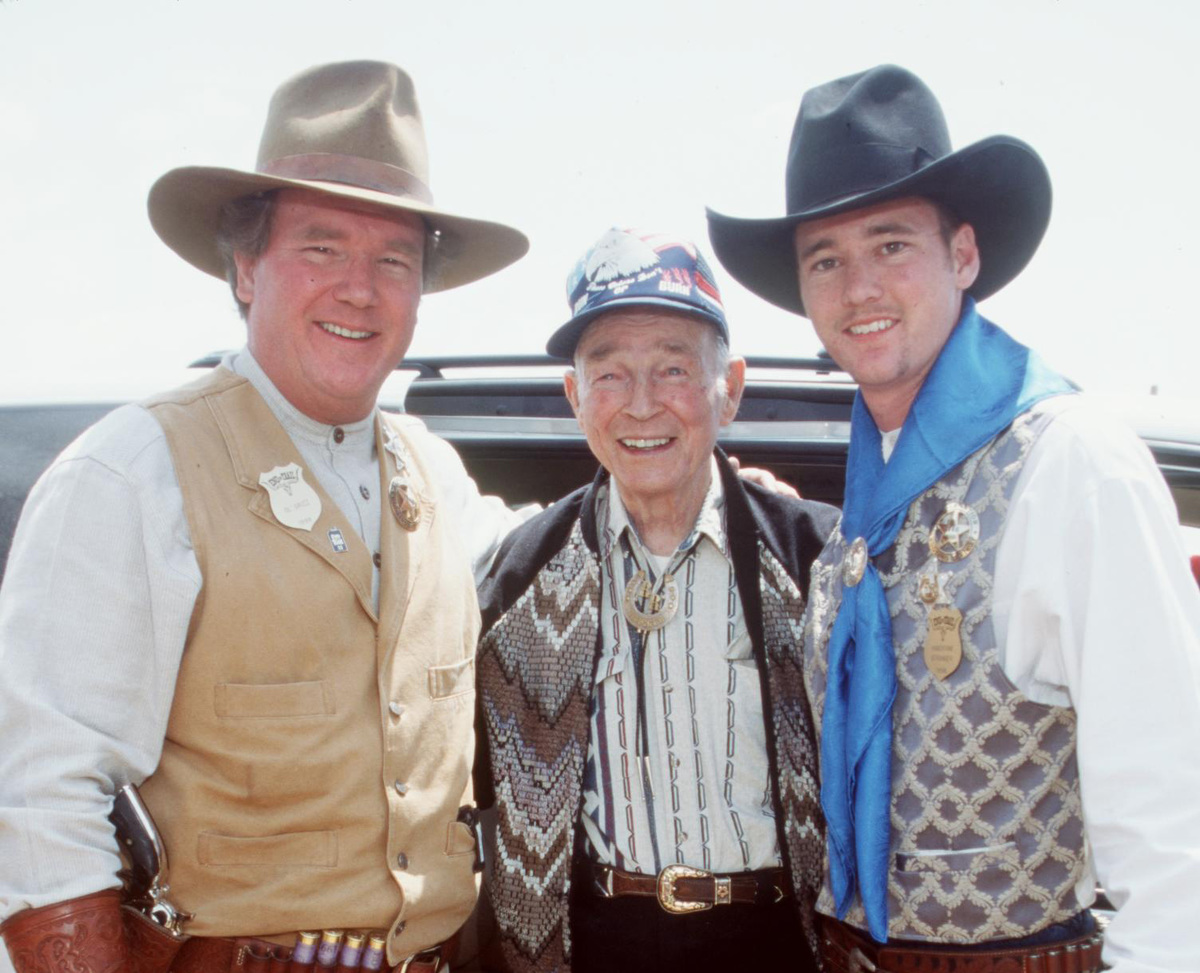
(881, 135)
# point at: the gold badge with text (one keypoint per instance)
(943, 642)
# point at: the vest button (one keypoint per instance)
(377, 559)
(402, 862)
(401, 787)
(366, 494)
(396, 709)
(338, 434)
(399, 928)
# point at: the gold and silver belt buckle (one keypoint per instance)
(722, 894)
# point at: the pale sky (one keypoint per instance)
(567, 118)
(564, 119)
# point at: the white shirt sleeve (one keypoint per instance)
(94, 610)
(1095, 607)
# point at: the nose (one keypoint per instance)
(643, 398)
(357, 285)
(861, 283)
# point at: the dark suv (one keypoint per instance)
(514, 429)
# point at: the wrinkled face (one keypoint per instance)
(884, 290)
(647, 393)
(333, 301)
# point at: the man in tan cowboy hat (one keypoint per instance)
(1002, 646)
(254, 596)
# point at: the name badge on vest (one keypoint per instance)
(943, 642)
(293, 502)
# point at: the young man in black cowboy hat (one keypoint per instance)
(254, 596)
(1002, 646)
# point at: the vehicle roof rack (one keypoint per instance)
(434, 366)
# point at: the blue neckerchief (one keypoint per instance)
(981, 381)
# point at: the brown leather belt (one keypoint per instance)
(846, 950)
(217, 954)
(681, 888)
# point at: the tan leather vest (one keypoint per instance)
(316, 756)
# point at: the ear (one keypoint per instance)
(246, 267)
(735, 384)
(964, 252)
(571, 390)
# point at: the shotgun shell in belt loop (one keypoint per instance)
(327, 952)
(373, 955)
(305, 953)
(351, 953)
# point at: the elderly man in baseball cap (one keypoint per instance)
(1002, 648)
(645, 726)
(254, 596)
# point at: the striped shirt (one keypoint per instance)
(701, 794)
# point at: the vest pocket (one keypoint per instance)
(311, 848)
(273, 700)
(452, 680)
(969, 859)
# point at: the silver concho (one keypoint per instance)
(955, 533)
(854, 564)
(656, 609)
(405, 506)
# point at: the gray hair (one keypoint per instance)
(244, 226)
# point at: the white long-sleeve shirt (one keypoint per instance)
(1094, 608)
(94, 614)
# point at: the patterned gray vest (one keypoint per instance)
(987, 830)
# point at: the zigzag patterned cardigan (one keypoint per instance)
(534, 670)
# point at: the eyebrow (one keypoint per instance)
(607, 349)
(318, 231)
(876, 229)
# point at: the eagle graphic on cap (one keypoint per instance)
(618, 254)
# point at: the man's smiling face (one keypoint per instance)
(650, 396)
(883, 287)
(333, 300)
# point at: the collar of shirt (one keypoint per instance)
(357, 436)
(887, 443)
(346, 466)
(710, 522)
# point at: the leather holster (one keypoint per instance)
(90, 934)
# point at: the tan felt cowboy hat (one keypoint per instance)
(881, 135)
(352, 130)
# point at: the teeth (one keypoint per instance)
(644, 443)
(881, 325)
(343, 332)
